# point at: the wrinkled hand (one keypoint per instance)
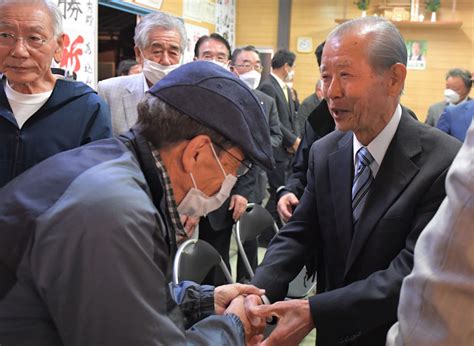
(285, 206)
(253, 330)
(238, 204)
(223, 295)
(294, 321)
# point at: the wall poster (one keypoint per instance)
(80, 41)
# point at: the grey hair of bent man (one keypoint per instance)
(386, 45)
(163, 125)
(53, 11)
(159, 20)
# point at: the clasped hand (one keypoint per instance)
(237, 299)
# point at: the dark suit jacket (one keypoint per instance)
(249, 185)
(455, 120)
(319, 124)
(360, 271)
(286, 114)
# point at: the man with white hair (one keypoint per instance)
(160, 41)
(41, 113)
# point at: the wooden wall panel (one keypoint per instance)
(447, 48)
(256, 23)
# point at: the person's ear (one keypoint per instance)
(193, 151)
(138, 55)
(398, 73)
(58, 53)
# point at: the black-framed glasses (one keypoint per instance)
(244, 166)
(247, 66)
(31, 41)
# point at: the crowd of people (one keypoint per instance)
(99, 188)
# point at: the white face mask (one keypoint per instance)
(251, 78)
(221, 64)
(197, 204)
(154, 72)
(451, 96)
(290, 76)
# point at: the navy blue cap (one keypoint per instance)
(216, 98)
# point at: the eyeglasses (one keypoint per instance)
(256, 67)
(245, 165)
(32, 41)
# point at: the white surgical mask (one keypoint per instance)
(251, 78)
(290, 76)
(197, 204)
(220, 63)
(155, 72)
(451, 96)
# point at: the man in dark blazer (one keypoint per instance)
(216, 228)
(283, 64)
(361, 246)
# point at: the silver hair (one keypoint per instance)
(386, 46)
(53, 11)
(162, 21)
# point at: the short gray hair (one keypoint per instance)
(159, 20)
(53, 11)
(464, 74)
(387, 46)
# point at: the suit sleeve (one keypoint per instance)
(288, 250)
(444, 121)
(297, 181)
(276, 137)
(289, 138)
(99, 262)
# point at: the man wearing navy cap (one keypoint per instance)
(87, 236)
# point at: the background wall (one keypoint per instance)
(447, 48)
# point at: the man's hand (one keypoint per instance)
(223, 295)
(253, 328)
(294, 321)
(189, 224)
(286, 205)
(295, 146)
(238, 204)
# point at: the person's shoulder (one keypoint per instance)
(122, 81)
(262, 96)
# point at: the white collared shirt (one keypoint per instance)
(379, 145)
(145, 84)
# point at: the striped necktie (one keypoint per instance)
(362, 180)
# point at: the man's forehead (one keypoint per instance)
(248, 56)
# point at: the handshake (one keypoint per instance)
(245, 301)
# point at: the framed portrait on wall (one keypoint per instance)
(416, 50)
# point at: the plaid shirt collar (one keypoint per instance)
(169, 196)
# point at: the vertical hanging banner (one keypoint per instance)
(225, 20)
(80, 40)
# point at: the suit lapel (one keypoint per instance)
(279, 90)
(340, 175)
(395, 173)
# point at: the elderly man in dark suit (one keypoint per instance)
(373, 185)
